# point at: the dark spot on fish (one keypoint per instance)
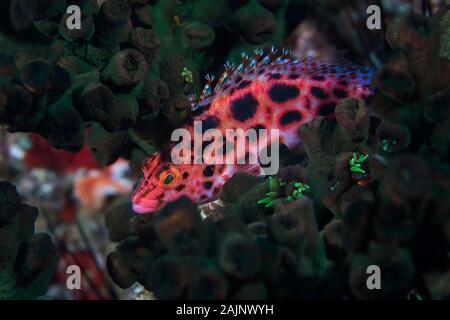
(207, 184)
(307, 103)
(282, 92)
(257, 128)
(216, 190)
(205, 144)
(318, 92)
(244, 107)
(318, 78)
(208, 171)
(275, 76)
(327, 109)
(339, 93)
(180, 187)
(185, 175)
(210, 122)
(203, 197)
(244, 84)
(289, 117)
(200, 110)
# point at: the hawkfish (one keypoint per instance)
(273, 90)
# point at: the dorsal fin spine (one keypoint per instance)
(247, 64)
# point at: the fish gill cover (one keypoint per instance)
(364, 156)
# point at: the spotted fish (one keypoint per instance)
(266, 91)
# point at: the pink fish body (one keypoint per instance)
(273, 91)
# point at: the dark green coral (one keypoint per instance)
(27, 259)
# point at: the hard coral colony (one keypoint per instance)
(273, 91)
(364, 154)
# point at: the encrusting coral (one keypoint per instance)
(369, 186)
(147, 57)
(27, 259)
(372, 199)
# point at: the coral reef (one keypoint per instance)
(369, 186)
(129, 67)
(377, 190)
(27, 259)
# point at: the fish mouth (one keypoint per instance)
(150, 206)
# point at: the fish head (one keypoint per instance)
(165, 181)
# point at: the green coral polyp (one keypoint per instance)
(298, 192)
(274, 193)
(386, 144)
(356, 161)
(275, 187)
(187, 75)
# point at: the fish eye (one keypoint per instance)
(169, 179)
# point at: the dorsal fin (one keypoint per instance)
(260, 65)
(247, 67)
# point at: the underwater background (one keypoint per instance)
(81, 110)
